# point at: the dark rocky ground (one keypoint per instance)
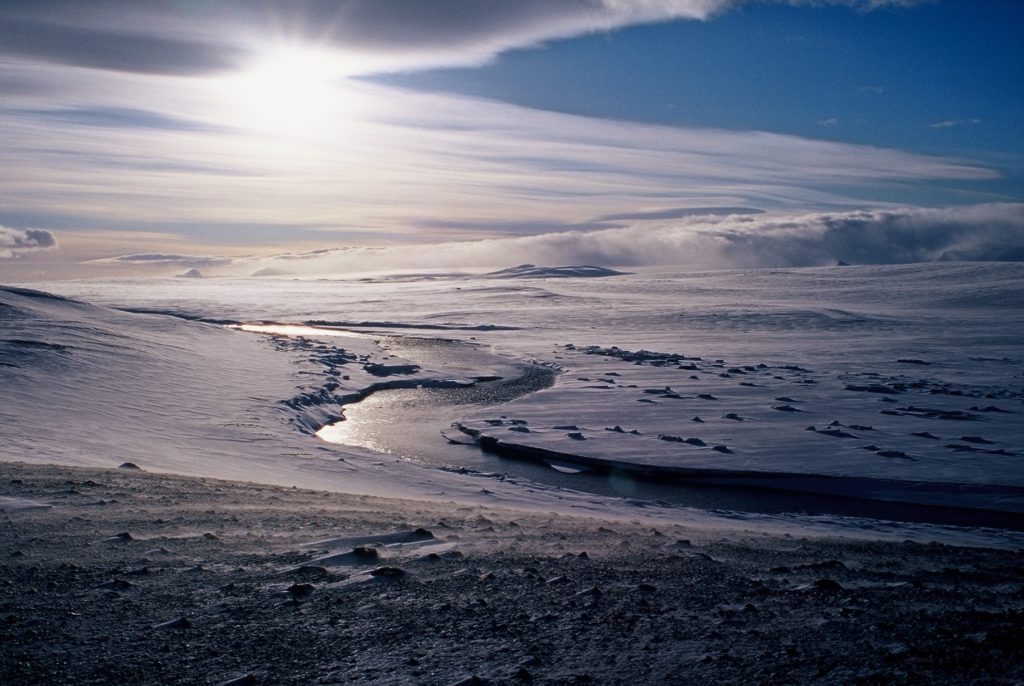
(212, 585)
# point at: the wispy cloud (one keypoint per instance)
(164, 259)
(15, 242)
(952, 123)
(829, 123)
(396, 165)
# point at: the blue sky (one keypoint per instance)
(940, 78)
(155, 135)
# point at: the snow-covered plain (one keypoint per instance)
(897, 383)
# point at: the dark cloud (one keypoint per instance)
(14, 242)
(487, 25)
(161, 37)
(114, 49)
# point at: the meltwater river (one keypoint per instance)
(415, 424)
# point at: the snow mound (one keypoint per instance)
(530, 271)
(29, 293)
(89, 385)
(191, 274)
(269, 271)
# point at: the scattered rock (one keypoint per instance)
(874, 388)
(301, 590)
(837, 433)
(826, 585)
(988, 408)
(388, 573)
(311, 570)
(893, 453)
(471, 681)
(244, 680)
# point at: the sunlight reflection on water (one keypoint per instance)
(407, 422)
(388, 422)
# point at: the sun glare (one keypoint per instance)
(291, 92)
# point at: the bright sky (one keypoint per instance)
(229, 136)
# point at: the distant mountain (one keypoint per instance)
(530, 271)
(191, 274)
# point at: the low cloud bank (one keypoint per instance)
(15, 242)
(988, 232)
(979, 232)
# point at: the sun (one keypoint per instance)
(290, 91)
